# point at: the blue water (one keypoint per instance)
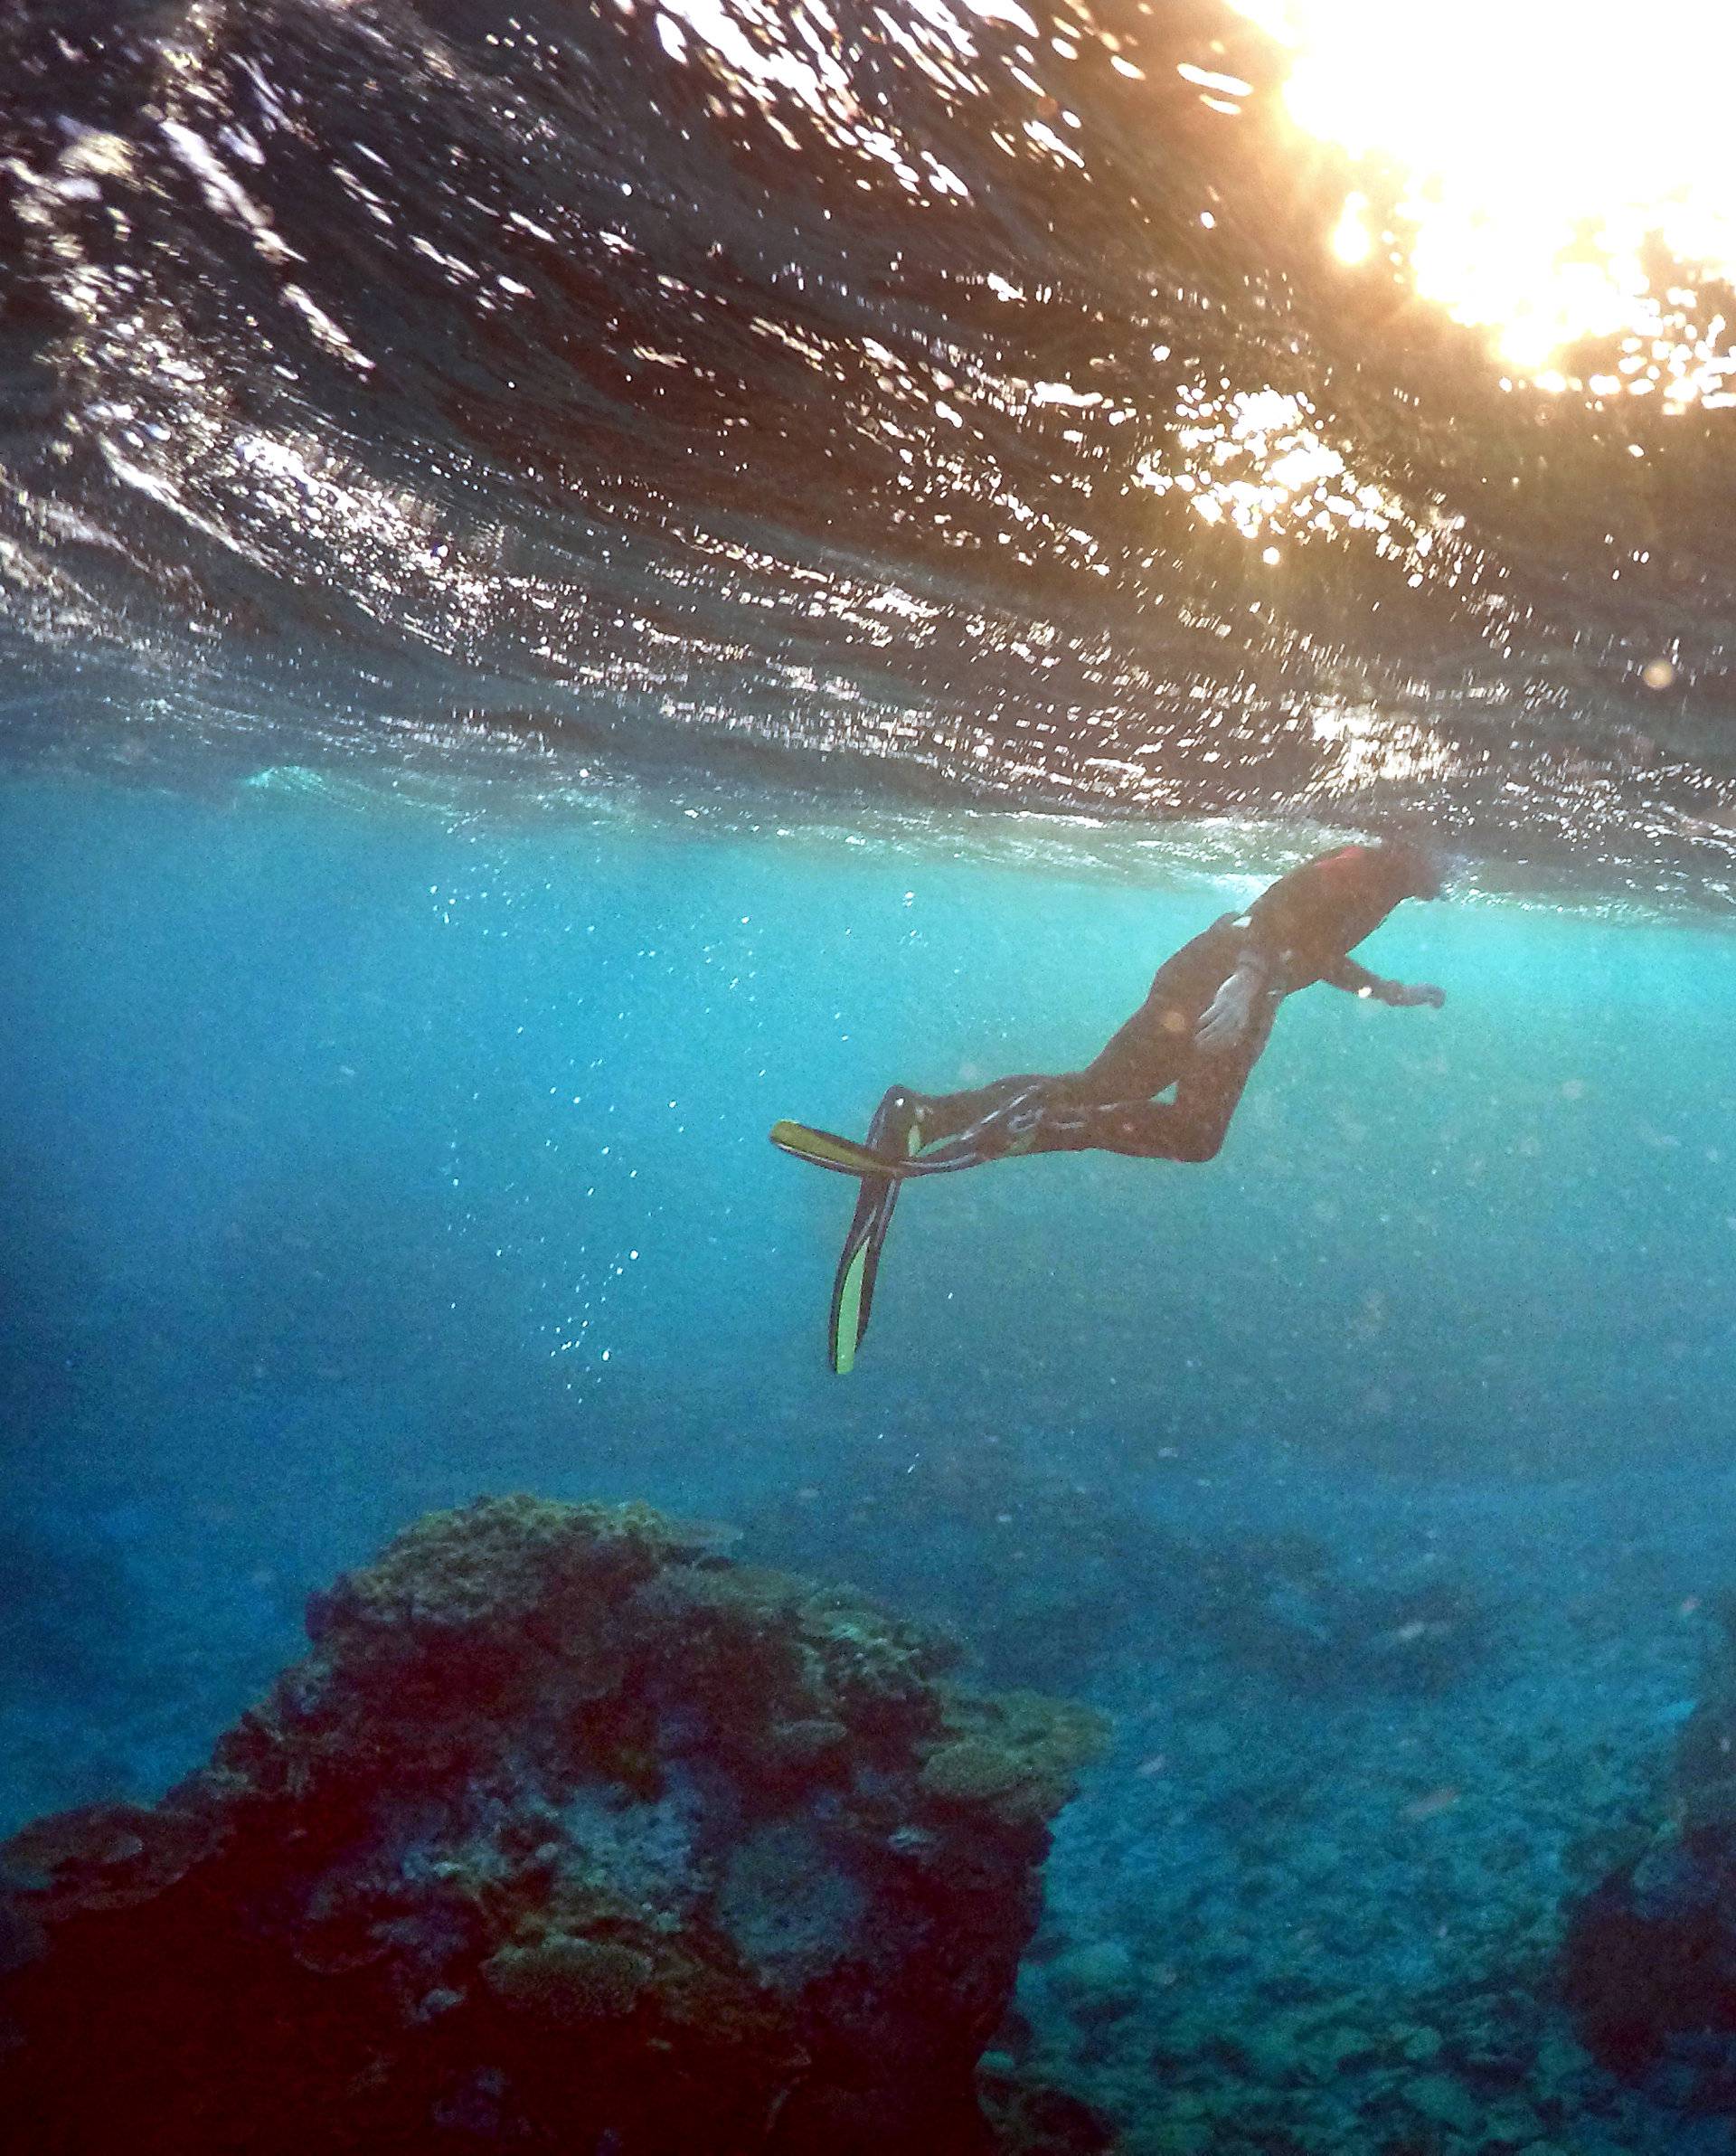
(306, 1096)
(366, 1155)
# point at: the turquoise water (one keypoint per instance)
(306, 1101)
(362, 1156)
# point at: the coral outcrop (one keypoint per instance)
(569, 1834)
(1649, 1964)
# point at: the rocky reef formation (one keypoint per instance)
(1650, 1963)
(570, 1834)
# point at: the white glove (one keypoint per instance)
(1226, 1018)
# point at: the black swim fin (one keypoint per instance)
(853, 1288)
(893, 1136)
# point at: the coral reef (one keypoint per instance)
(569, 1834)
(1649, 1964)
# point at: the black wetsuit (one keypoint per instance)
(1299, 932)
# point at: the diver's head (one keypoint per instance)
(1418, 867)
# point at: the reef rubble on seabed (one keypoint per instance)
(569, 1834)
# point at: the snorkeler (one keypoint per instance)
(1202, 1029)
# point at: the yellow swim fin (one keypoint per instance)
(825, 1149)
(849, 1320)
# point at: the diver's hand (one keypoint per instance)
(1404, 997)
(1225, 1019)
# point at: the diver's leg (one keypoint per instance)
(1193, 1126)
(914, 1120)
(1021, 1118)
(1071, 1114)
(1141, 1058)
(1033, 1114)
(1154, 1046)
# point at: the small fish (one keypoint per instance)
(1435, 1802)
(706, 1537)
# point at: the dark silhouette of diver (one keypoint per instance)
(1201, 1029)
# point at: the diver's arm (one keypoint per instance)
(1354, 979)
(1357, 980)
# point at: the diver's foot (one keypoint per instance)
(1019, 1125)
(896, 1131)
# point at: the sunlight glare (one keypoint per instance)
(1562, 165)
